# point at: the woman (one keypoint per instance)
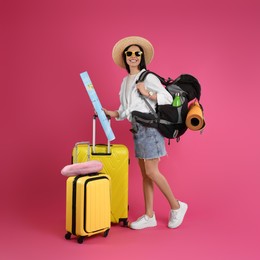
(133, 53)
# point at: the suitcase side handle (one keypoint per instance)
(94, 135)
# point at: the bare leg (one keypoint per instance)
(152, 172)
(147, 189)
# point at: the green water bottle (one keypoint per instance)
(177, 100)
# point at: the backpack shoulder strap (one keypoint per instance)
(141, 79)
(146, 72)
(143, 76)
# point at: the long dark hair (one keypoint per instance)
(142, 64)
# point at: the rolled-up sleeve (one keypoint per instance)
(123, 113)
(164, 98)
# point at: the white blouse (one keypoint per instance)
(130, 98)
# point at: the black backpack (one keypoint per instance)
(170, 120)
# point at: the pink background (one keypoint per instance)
(45, 109)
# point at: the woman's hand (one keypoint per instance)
(110, 113)
(142, 89)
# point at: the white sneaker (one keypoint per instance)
(177, 216)
(144, 222)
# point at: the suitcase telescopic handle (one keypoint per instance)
(94, 134)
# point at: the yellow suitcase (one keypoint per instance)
(87, 206)
(115, 160)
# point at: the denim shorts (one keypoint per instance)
(148, 143)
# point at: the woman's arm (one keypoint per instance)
(145, 92)
(162, 95)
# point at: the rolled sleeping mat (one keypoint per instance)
(195, 119)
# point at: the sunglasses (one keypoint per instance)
(136, 53)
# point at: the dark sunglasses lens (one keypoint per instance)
(137, 53)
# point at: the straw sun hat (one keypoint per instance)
(125, 42)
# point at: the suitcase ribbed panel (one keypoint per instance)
(115, 165)
(97, 208)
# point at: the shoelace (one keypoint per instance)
(174, 214)
(141, 218)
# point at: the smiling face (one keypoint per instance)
(134, 59)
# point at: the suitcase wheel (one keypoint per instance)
(80, 240)
(124, 222)
(106, 233)
(68, 236)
